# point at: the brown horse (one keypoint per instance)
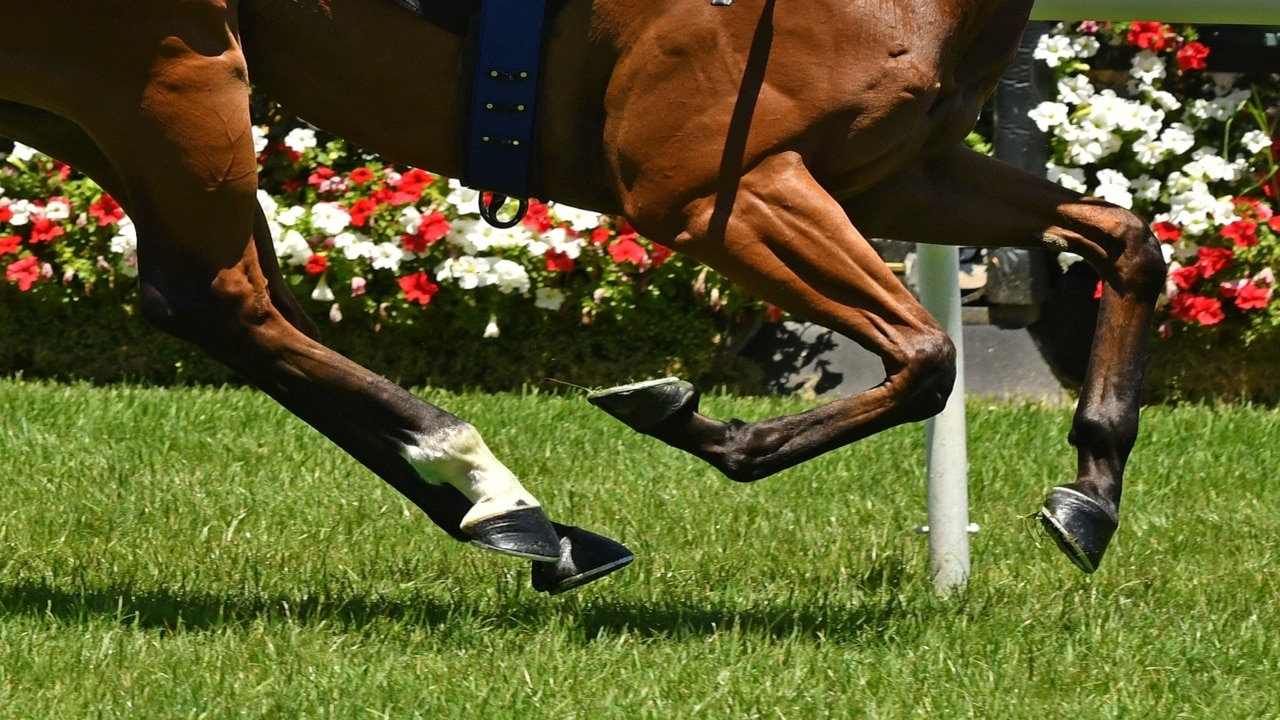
(768, 142)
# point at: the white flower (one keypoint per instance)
(1145, 187)
(353, 245)
(1178, 138)
(292, 248)
(475, 237)
(1085, 46)
(21, 153)
(556, 239)
(329, 218)
(21, 212)
(1088, 143)
(125, 244)
(491, 330)
(1054, 49)
(300, 140)
(259, 138)
(1207, 165)
(465, 200)
(548, 299)
(579, 220)
(1048, 115)
(1075, 89)
(291, 216)
(322, 293)
(1149, 150)
(467, 271)
(386, 256)
(1069, 178)
(1166, 100)
(57, 210)
(410, 219)
(510, 276)
(1255, 141)
(1113, 187)
(268, 204)
(1147, 67)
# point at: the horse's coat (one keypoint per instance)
(768, 139)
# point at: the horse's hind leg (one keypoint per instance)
(782, 237)
(964, 198)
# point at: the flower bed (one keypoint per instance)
(389, 257)
(401, 273)
(1196, 152)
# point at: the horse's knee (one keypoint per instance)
(926, 375)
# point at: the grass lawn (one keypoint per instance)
(174, 553)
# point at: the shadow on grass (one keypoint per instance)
(677, 618)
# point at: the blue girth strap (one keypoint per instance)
(499, 140)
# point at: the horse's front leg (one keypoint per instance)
(964, 198)
(779, 235)
(185, 171)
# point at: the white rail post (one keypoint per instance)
(948, 458)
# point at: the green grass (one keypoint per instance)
(172, 553)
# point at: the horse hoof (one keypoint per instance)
(525, 533)
(644, 405)
(1080, 525)
(584, 557)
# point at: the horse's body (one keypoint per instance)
(766, 139)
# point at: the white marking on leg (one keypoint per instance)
(459, 457)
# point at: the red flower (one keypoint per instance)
(1192, 56)
(45, 230)
(1167, 231)
(559, 262)
(538, 219)
(659, 254)
(1148, 36)
(1185, 277)
(9, 244)
(626, 249)
(430, 229)
(1211, 260)
(411, 185)
(1097, 291)
(1198, 308)
(360, 176)
(318, 177)
(1243, 233)
(360, 211)
(600, 236)
(418, 288)
(1274, 223)
(1252, 297)
(317, 264)
(106, 210)
(25, 272)
(433, 227)
(5, 213)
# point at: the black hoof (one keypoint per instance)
(584, 557)
(644, 405)
(1080, 525)
(525, 532)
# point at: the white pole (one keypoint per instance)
(948, 460)
(1208, 12)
